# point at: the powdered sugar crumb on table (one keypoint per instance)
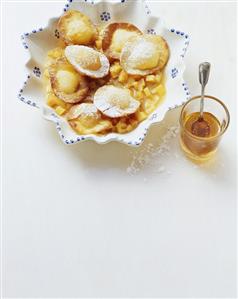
(151, 155)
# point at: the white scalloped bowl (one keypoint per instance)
(39, 41)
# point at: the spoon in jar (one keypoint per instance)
(201, 127)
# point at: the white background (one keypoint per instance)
(75, 223)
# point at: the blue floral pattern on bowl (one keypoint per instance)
(151, 31)
(57, 34)
(37, 71)
(174, 72)
(105, 16)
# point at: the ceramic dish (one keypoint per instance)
(40, 41)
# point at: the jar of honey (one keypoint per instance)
(217, 117)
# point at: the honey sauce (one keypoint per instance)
(200, 147)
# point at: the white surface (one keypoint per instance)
(76, 224)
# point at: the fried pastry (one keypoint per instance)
(66, 82)
(88, 61)
(76, 28)
(114, 37)
(86, 119)
(115, 101)
(144, 55)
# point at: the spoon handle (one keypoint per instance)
(204, 71)
(202, 101)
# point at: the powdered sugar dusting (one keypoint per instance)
(89, 110)
(141, 51)
(84, 109)
(151, 155)
(115, 101)
(74, 56)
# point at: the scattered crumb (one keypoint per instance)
(161, 169)
(150, 155)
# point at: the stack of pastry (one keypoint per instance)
(104, 79)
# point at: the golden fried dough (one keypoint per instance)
(67, 83)
(115, 36)
(144, 55)
(76, 28)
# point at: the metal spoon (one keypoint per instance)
(201, 127)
